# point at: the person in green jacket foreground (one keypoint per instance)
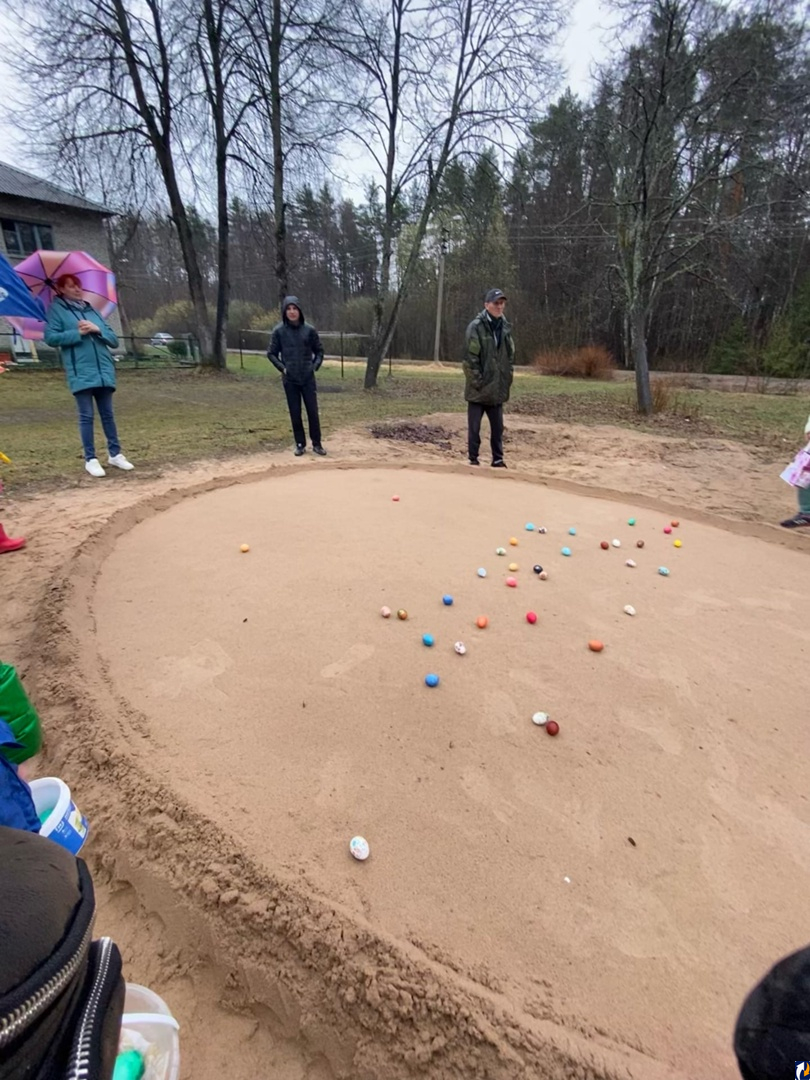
(489, 368)
(85, 340)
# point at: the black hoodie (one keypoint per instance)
(295, 348)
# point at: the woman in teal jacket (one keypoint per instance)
(85, 340)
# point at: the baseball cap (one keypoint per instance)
(492, 295)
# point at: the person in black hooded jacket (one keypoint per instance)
(296, 351)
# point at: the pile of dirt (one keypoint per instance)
(418, 434)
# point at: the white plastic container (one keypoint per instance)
(148, 1026)
(64, 822)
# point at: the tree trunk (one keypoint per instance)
(160, 138)
(220, 353)
(279, 208)
(638, 333)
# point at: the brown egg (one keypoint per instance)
(595, 646)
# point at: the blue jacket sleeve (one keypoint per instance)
(108, 335)
(56, 330)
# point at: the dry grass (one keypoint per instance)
(587, 362)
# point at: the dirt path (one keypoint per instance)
(176, 923)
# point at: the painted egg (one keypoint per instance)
(544, 575)
(629, 609)
(385, 612)
(677, 543)
(572, 531)
(538, 569)
(605, 546)
(639, 543)
(552, 727)
(631, 521)
(540, 718)
(662, 570)
(460, 648)
(531, 617)
(427, 639)
(358, 846)
(616, 543)
(595, 646)
(482, 572)
(244, 548)
(529, 527)
(511, 582)
(500, 551)
(565, 551)
(482, 622)
(667, 529)
(431, 680)
(513, 541)
(542, 530)
(402, 614)
(631, 563)
(513, 566)
(447, 601)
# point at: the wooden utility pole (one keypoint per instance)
(442, 254)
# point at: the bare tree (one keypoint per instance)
(436, 79)
(677, 132)
(119, 74)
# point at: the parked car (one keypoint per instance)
(161, 339)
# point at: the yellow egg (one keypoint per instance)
(513, 541)
(677, 543)
(513, 566)
(244, 547)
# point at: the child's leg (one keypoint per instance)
(804, 500)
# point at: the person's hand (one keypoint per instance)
(87, 327)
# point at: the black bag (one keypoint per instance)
(61, 993)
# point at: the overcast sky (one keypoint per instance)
(582, 47)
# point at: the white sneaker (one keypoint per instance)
(93, 466)
(120, 462)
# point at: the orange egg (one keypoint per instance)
(595, 646)
(482, 622)
(674, 524)
(244, 548)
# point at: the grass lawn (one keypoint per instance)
(180, 415)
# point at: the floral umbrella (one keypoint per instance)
(40, 271)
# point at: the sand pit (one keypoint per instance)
(619, 887)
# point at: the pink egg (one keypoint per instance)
(511, 582)
(395, 498)
(667, 528)
(531, 617)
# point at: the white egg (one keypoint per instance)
(460, 648)
(629, 609)
(540, 718)
(358, 846)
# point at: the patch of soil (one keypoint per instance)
(418, 434)
(568, 408)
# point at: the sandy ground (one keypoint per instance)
(229, 720)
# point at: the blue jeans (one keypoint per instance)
(84, 402)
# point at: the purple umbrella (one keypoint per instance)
(41, 270)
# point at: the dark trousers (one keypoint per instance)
(308, 393)
(84, 403)
(475, 414)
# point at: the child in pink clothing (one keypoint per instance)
(798, 475)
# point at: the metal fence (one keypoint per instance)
(132, 352)
(337, 344)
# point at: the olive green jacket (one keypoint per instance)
(489, 367)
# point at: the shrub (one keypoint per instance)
(178, 347)
(587, 362)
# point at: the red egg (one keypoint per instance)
(531, 617)
(552, 727)
(511, 582)
(604, 545)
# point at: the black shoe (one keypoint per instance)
(801, 519)
(499, 464)
(319, 450)
(299, 450)
(474, 461)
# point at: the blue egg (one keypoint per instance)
(662, 570)
(431, 680)
(566, 551)
(631, 521)
(482, 572)
(427, 639)
(447, 601)
(572, 531)
(529, 527)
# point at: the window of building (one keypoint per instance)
(25, 237)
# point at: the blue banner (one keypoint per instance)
(15, 296)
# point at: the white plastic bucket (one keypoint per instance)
(149, 1019)
(60, 818)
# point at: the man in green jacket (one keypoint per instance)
(489, 367)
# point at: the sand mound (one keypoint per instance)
(532, 906)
